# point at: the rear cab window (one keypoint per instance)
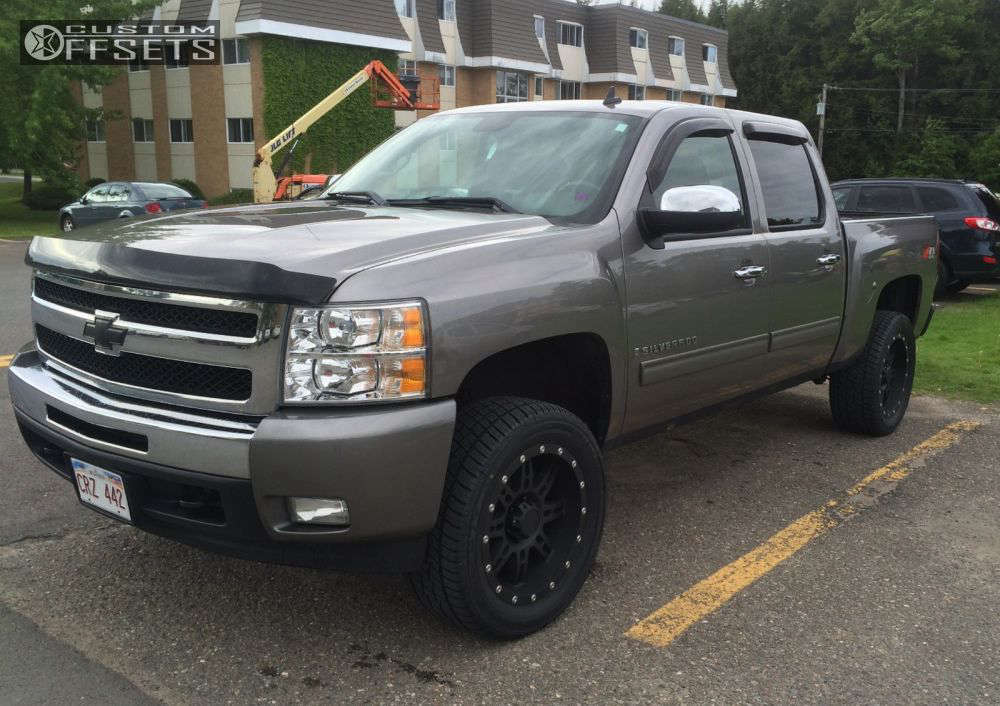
(791, 195)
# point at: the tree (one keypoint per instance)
(43, 120)
(896, 34)
(683, 9)
(718, 13)
(984, 159)
(935, 153)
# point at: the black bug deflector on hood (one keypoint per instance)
(288, 252)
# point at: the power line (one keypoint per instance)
(914, 90)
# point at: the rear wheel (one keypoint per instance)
(872, 394)
(521, 519)
(67, 224)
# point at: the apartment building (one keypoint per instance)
(205, 122)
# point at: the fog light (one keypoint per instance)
(319, 511)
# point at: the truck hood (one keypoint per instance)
(290, 252)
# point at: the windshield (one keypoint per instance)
(561, 165)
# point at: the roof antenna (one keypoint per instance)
(611, 100)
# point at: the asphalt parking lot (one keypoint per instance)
(755, 556)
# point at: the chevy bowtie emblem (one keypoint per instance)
(108, 338)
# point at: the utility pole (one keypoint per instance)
(821, 109)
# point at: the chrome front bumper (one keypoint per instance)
(185, 439)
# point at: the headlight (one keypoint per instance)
(344, 354)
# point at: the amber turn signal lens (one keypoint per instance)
(414, 376)
(413, 328)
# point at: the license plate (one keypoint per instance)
(101, 489)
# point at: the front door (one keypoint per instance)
(808, 269)
(698, 306)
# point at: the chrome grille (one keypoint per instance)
(180, 349)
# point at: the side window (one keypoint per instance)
(935, 199)
(98, 195)
(840, 197)
(702, 160)
(886, 199)
(791, 197)
(116, 192)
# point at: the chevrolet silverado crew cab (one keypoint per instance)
(419, 371)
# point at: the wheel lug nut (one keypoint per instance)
(492, 507)
(523, 459)
(552, 585)
(583, 511)
(503, 479)
(486, 539)
(579, 538)
(573, 464)
(499, 588)
(541, 448)
(559, 451)
(533, 598)
(513, 600)
(566, 564)
(489, 568)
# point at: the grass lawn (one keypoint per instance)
(18, 221)
(960, 354)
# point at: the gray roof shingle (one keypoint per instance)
(372, 17)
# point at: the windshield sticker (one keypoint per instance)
(622, 127)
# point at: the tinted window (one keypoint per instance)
(988, 200)
(840, 198)
(786, 178)
(935, 199)
(701, 160)
(163, 191)
(98, 194)
(886, 199)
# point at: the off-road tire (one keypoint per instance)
(496, 441)
(872, 394)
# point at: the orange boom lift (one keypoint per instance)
(388, 91)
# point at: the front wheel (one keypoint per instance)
(872, 394)
(521, 519)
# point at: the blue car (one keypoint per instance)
(125, 199)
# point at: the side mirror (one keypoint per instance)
(83, 200)
(688, 210)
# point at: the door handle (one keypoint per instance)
(750, 272)
(828, 261)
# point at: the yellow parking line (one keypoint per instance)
(5, 360)
(668, 623)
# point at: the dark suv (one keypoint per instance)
(967, 213)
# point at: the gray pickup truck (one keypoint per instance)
(419, 372)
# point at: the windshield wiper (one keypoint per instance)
(458, 201)
(368, 196)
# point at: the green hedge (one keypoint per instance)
(190, 187)
(297, 75)
(236, 196)
(48, 197)
(91, 183)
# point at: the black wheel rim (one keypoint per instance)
(532, 526)
(895, 377)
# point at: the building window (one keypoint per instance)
(181, 130)
(675, 46)
(176, 55)
(571, 33)
(709, 53)
(137, 65)
(539, 86)
(636, 93)
(446, 75)
(706, 99)
(539, 26)
(569, 90)
(407, 67)
(404, 8)
(235, 51)
(673, 94)
(240, 129)
(142, 130)
(512, 87)
(446, 10)
(638, 38)
(95, 130)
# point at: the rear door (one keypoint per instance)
(886, 199)
(807, 278)
(697, 317)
